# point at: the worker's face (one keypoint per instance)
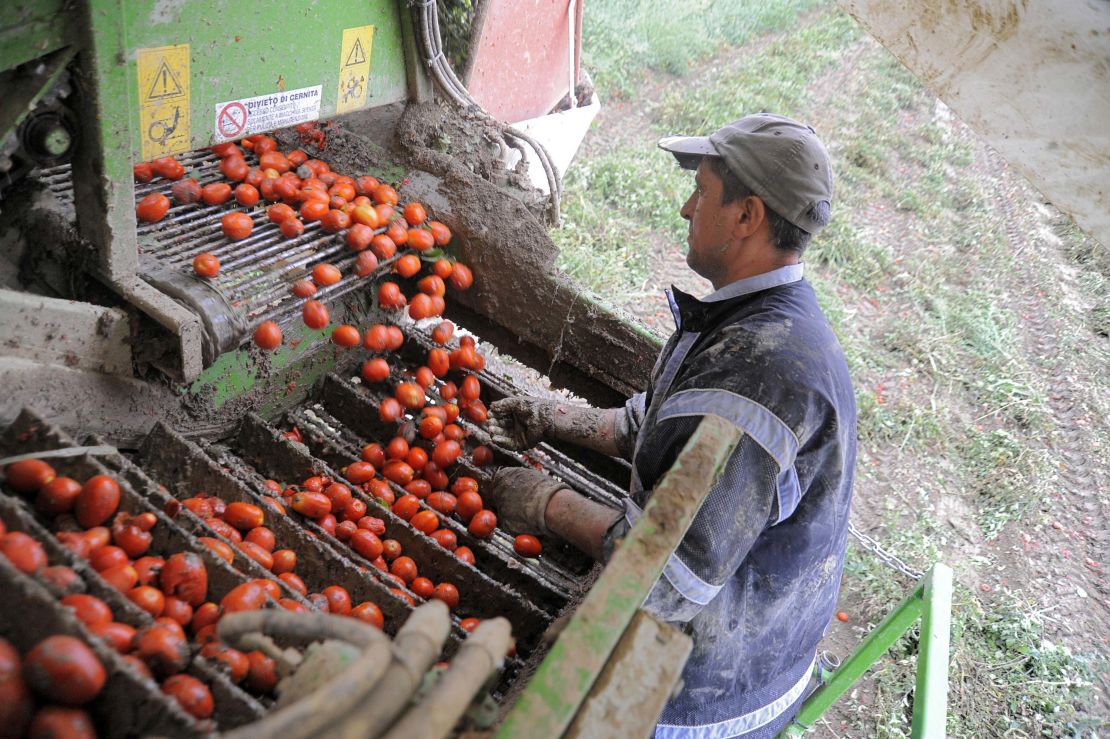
(712, 225)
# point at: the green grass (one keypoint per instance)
(918, 279)
(626, 42)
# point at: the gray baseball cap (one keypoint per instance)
(780, 159)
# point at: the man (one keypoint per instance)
(755, 579)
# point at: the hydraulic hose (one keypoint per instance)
(479, 656)
(447, 81)
(315, 714)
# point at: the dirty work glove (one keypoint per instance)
(521, 422)
(520, 496)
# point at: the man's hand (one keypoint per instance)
(521, 422)
(520, 496)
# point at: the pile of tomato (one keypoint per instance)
(170, 587)
(364, 211)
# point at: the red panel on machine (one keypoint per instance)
(520, 64)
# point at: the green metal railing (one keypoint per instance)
(931, 601)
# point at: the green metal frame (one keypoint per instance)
(564, 679)
(931, 601)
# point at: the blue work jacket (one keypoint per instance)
(755, 579)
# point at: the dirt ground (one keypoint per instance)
(1054, 558)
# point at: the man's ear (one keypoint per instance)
(750, 215)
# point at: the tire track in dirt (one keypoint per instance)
(1077, 530)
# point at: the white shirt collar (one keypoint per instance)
(774, 278)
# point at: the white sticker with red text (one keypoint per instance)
(238, 118)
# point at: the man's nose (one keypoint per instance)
(687, 210)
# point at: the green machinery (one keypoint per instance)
(111, 83)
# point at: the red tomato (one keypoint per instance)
(410, 394)
(468, 504)
(383, 247)
(29, 475)
(417, 458)
(461, 277)
(407, 266)
(246, 195)
(481, 456)
(482, 524)
(119, 636)
(406, 507)
(63, 669)
(280, 212)
(339, 600)
(294, 582)
(365, 264)
(274, 160)
(291, 228)
(285, 560)
(89, 609)
(311, 505)
(398, 472)
(373, 454)
(443, 502)
(57, 496)
(267, 336)
(443, 332)
(404, 568)
(314, 210)
(447, 593)
(326, 274)
(191, 694)
(464, 554)
(390, 410)
(55, 721)
(334, 221)
(237, 225)
(216, 193)
(235, 661)
(375, 370)
(257, 553)
(431, 427)
(244, 516)
(359, 472)
(446, 539)
(420, 488)
(61, 581)
(143, 172)
(370, 613)
(527, 545)
(250, 596)
(315, 314)
(206, 265)
(97, 501)
(346, 336)
(178, 610)
(339, 495)
(234, 168)
(425, 521)
(442, 235)
(186, 191)
(121, 577)
(149, 599)
(397, 232)
(304, 288)
(470, 388)
(262, 676)
(150, 568)
(423, 587)
(421, 239)
(390, 296)
(469, 624)
(169, 168)
(354, 511)
(184, 576)
(391, 549)
(384, 194)
(446, 453)
(153, 207)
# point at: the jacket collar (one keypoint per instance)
(691, 312)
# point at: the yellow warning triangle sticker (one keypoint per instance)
(357, 55)
(165, 84)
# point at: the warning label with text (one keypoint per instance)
(238, 118)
